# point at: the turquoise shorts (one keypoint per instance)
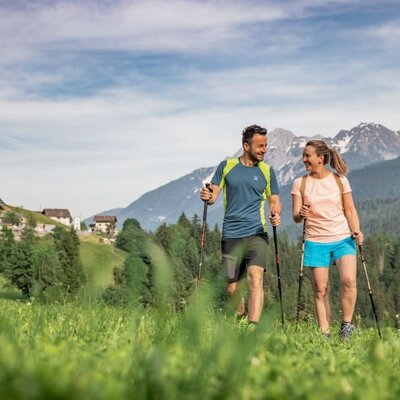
(320, 254)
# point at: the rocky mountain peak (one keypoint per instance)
(363, 145)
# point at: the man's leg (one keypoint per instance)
(234, 267)
(236, 299)
(321, 293)
(255, 275)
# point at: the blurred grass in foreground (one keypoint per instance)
(79, 352)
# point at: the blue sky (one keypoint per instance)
(102, 101)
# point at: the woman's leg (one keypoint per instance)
(321, 292)
(347, 267)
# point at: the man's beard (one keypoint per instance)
(254, 158)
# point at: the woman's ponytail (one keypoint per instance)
(337, 162)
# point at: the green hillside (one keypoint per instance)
(376, 192)
(37, 215)
(377, 181)
(380, 216)
(98, 260)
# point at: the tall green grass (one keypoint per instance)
(86, 350)
(79, 352)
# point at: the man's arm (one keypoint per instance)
(275, 209)
(210, 196)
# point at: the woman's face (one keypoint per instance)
(311, 160)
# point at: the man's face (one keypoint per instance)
(257, 149)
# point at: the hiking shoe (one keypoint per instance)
(346, 330)
(252, 327)
(241, 319)
(326, 335)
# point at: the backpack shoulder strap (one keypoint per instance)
(340, 186)
(303, 186)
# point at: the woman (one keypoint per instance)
(324, 202)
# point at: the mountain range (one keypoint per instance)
(362, 146)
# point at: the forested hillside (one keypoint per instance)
(57, 265)
(145, 266)
(136, 283)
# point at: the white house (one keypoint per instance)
(58, 214)
(105, 223)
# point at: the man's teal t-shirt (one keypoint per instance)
(245, 194)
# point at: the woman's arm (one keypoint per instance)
(351, 215)
(299, 210)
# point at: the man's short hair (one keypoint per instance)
(250, 131)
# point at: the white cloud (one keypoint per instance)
(226, 65)
(149, 25)
(110, 163)
(388, 33)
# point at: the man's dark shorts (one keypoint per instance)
(239, 254)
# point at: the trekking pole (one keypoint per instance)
(301, 271)
(360, 247)
(202, 239)
(278, 271)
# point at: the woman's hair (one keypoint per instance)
(330, 154)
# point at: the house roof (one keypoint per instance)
(57, 212)
(106, 218)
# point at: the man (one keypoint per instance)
(247, 182)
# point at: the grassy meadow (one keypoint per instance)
(98, 261)
(75, 351)
(86, 350)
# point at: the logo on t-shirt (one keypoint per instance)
(255, 178)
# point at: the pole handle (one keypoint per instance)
(209, 187)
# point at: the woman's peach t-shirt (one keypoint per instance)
(327, 222)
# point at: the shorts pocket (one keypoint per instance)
(231, 267)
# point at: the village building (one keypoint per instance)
(61, 215)
(105, 223)
(77, 223)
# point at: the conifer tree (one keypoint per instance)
(7, 247)
(47, 272)
(131, 236)
(163, 236)
(183, 221)
(20, 268)
(67, 246)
